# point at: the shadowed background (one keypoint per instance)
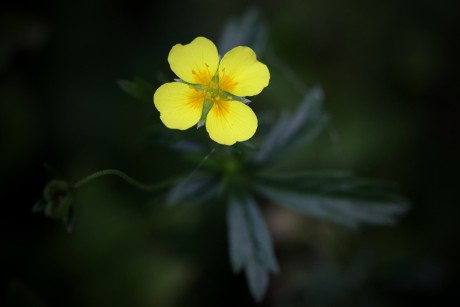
(387, 70)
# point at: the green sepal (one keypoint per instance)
(198, 87)
(241, 99)
(207, 105)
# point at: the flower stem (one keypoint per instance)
(127, 179)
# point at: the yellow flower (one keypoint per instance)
(211, 89)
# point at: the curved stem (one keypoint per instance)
(127, 179)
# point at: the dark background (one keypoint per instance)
(389, 73)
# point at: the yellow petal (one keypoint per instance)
(180, 105)
(229, 122)
(241, 74)
(196, 62)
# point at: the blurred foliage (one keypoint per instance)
(386, 72)
(333, 196)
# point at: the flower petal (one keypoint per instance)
(196, 62)
(229, 122)
(180, 105)
(241, 74)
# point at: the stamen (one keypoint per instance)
(223, 72)
(207, 68)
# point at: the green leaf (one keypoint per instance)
(257, 278)
(293, 129)
(138, 88)
(335, 196)
(250, 244)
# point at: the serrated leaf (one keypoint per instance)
(336, 197)
(250, 244)
(294, 128)
(138, 88)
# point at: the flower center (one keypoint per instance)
(212, 95)
(213, 92)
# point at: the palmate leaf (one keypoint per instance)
(250, 244)
(335, 196)
(296, 128)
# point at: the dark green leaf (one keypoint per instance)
(257, 278)
(250, 244)
(294, 128)
(138, 88)
(240, 244)
(335, 196)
